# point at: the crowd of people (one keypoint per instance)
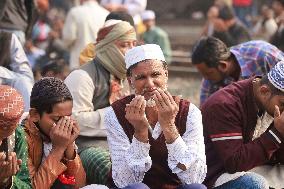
(84, 99)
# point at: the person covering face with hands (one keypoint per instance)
(51, 132)
(152, 132)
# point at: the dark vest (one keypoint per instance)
(100, 77)
(160, 175)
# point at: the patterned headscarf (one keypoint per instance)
(107, 52)
(11, 106)
(276, 76)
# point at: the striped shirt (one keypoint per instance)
(254, 58)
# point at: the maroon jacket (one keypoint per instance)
(160, 175)
(229, 120)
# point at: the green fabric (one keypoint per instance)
(22, 179)
(159, 37)
(97, 165)
(110, 56)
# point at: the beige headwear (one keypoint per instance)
(107, 52)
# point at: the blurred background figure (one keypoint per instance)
(55, 68)
(242, 9)
(155, 34)
(133, 7)
(212, 14)
(33, 53)
(88, 53)
(228, 29)
(81, 26)
(266, 26)
(278, 38)
(15, 70)
(19, 16)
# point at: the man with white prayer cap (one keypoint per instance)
(154, 137)
(155, 34)
(244, 133)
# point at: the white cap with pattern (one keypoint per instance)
(276, 76)
(143, 52)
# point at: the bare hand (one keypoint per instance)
(135, 114)
(10, 167)
(279, 120)
(167, 108)
(60, 133)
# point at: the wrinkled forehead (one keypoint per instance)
(149, 65)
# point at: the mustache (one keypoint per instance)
(145, 90)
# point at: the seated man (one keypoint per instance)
(243, 130)
(221, 66)
(153, 137)
(50, 133)
(15, 70)
(94, 86)
(13, 147)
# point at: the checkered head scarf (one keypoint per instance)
(276, 76)
(11, 106)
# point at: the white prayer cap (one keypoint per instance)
(143, 52)
(148, 15)
(276, 76)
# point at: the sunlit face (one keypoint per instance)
(59, 111)
(124, 46)
(148, 76)
(212, 74)
(149, 24)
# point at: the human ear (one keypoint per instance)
(265, 91)
(223, 66)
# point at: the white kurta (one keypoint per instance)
(82, 89)
(81, 27)
(130, 161)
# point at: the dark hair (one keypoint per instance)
(47, 92)
(265, 81)
(226, 13)
(129, 70)
(281, 2)
(118, 15)
(210, 50)
(56, 66)
(5, 49)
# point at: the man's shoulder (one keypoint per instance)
(159, 31)
(229, 96)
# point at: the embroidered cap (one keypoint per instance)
(143, 52)
(11, 106)
(276, 76)
(148, 15)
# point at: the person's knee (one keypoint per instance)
(192, 186)
(255, 181)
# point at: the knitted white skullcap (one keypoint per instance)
(276, 76)
(143, 52)
(148, 15)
